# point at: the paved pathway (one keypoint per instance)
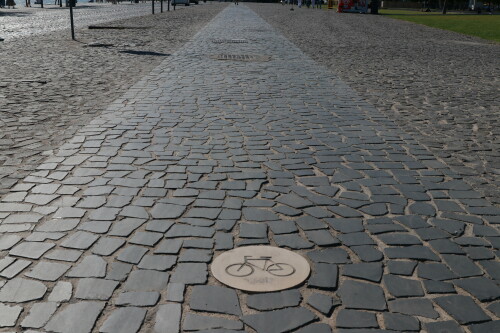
(204, 155)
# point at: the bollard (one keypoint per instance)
(71, 4)
(153, 6)
(161, 6)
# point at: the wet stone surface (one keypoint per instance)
(122, 221)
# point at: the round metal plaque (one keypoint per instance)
(260, 268)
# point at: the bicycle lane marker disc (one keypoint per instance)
(260, 268)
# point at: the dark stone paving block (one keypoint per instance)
(455, 228)
(482, 288)
(360, 295)
(132, 254)
(438, 287)
(434, 271)
(168, 318)
(253, 230)
(274, 301)
(80, 240)
(169, 246)
(215, 299)
(9, 315)
(492, 267)
(195, 255)
(146, 280)
(138, 298)
(365, 271)
(39, 314)
(329, 256)
(323, 303)
(294, 201)
(125, 227)
(175, 292)
(8, 241)
(293, 241)
(194, 322)
(279, 321)
(146, 238)
(31, 250)
(461, 265)
(401, 287)
(446, 246)
(491, 326)
(190, 273)
(399, 239)
(346, 225)
(70, 319)
(159, 225)
(124, 320)
(47, 271)
(259, 215)
(479, 253)
(58, 225)
(106, 246)
(314, 328)
(367, 253)
(322, 238)
(462, 309)
(495, 308)
(414, 307)
(118, 271)
(324, 276)
(411, 252)
(95, 289)
(356, 319)
(443, 327)
(400, 322)
(282, 227)
(20, 290)
(157, 262)
(401, 267)
(167, 211)
(179, 230)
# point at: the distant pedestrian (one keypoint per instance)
(28, 3)
(319, 4)
(313, 3)
(236, 2)
(299, 3)
(10, 3)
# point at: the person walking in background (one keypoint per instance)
(299, 3)
(28, 3)
(313, 3)
(10, 3)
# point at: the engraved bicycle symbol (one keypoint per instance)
(248, 266)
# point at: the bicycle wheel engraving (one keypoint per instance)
(281, 269)
(239, 270)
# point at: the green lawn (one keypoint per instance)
(485, 26)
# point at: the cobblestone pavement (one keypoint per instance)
(440, 86)
(51, 86)
(23, 22)
(123, 221)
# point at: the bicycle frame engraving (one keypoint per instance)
(262, 263)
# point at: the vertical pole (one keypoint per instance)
(60, 3)
(168, 5)
(71, 2)
(161, 6)
(153, 6)
(42, 3)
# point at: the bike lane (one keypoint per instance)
(241, 139)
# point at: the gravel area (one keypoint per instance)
(51, 85)
(440, 86)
